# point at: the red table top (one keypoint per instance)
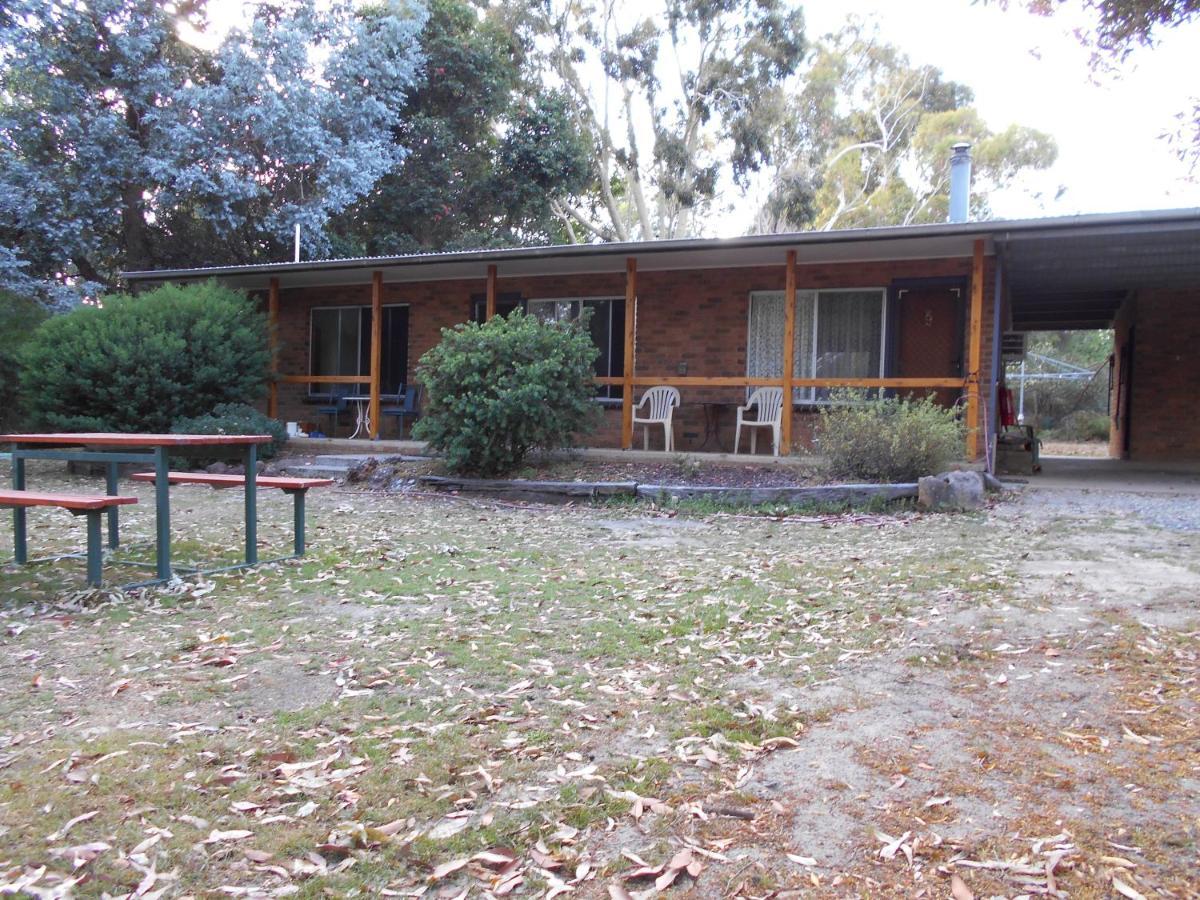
(119, 439)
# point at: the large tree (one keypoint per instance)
(674, 98)
(490, 149)
(866, 140)
(126, 147)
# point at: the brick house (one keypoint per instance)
(915, 308)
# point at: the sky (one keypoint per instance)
(1033, 71)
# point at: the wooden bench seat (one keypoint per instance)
(10, 499)
(224, 481)
(297, 487)
(90, 505)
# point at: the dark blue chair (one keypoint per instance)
(409, 407)
(337, 405)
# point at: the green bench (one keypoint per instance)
(297, 487)
(90, 505)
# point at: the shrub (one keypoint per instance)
(234, 418)
(889, 440)
(19, 316)
(494, 392)
(140, 362)
(1081, 425)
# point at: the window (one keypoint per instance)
(505, 303)
(606, 323)
(341, 345)
(839, 334)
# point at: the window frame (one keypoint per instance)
(807, 396)
(316, 390)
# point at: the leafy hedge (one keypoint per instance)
(19, 317)
(234, 418)
(139, 363)
(894, 439)
(494, 392)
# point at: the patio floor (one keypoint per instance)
(1082, 473)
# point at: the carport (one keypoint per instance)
(1138, 274)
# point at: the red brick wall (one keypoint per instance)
(697, 318)
(1165, 422)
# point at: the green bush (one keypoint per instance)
(1081, 425)
(138, 363)
(234, 418)
(889, 440)
(494, 392)
(19, 316)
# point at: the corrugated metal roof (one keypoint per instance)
(910, 241)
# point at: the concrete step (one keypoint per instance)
(313, 470)
(335, 465)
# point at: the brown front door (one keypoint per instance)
(929, 338)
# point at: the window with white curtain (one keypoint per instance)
(839, 334)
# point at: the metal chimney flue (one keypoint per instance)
(960, 183)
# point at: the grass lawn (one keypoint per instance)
(450, 696)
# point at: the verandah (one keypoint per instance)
(629, 379)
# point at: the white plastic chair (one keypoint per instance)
(662, 400)
(769, 401)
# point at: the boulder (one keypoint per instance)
(992, 483)
(951, 491)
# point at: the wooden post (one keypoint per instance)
(975, 353)
(789, 352)
(630, 324)
(273, 341)
(491, 294)
(376, 349)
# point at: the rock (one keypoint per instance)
(380, 477)
(217, 468)
(950, 491)
(992, 483)
(362, 471)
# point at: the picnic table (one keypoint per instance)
(155, 450)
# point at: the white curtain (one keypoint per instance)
(764, 354)
(838, 335)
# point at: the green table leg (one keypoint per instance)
(20, 552)
(95, 548)
(298, 520)
(162, 512)
(251, 504)
(114, 528)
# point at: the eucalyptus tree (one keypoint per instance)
(489, 148)
(865, 140)
(126, 146)
(675, 98)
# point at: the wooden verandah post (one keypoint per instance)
(376, 350)
(789, 352)
(630, 323)
(975, 353)
(273, 342)
(491, 294)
